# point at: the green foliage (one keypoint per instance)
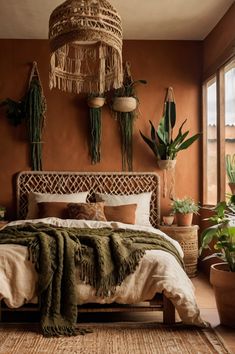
(184, 206)
(222, 232)
(128, 88)
(161, 141)
(95, 134)
(15, 110)
(230, 167)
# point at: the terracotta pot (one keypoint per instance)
(223, 282)
(124, 104)
(184, 219)
(166, 164)
(232, 187)
(95, 102)
(168, 220)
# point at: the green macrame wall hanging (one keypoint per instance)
(31, 109)
(35, 107)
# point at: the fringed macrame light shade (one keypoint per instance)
(86, 47)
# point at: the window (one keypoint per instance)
(219, 132)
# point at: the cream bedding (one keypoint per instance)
(157, 271)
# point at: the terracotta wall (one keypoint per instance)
(219, 45)
(161, 63)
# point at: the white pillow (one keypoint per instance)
(34, 198)
(142, 200)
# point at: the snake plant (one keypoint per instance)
(162, 142)
(230, 167)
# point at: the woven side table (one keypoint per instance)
(187, 236)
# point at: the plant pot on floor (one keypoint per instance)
(184, 219)
(223, 282)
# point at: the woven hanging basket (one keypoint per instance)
(124, 104)
(166, 164)
(86, 47)
(96, 102)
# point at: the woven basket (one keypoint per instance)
(124, 104)
(188, 239)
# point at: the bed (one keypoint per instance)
(158, 282)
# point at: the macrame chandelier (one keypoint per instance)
(86, 47)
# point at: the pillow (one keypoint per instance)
(35, 198)
(87, 211)
(50, 209)
(142, 200)
(121, 213)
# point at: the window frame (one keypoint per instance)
(219, 76)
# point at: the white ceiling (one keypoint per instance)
(149, 19)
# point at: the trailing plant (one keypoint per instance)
(184, 206)
(15, 110)
(126, 119)
(222, 232)
(161, 141)
(230, 167)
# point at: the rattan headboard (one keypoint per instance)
(94, 182)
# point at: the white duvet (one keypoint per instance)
(157, 272)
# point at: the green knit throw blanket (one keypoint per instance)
(105, 257)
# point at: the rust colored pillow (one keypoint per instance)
(87, 211)
(122, 213)
(56, 209)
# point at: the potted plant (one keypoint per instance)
(184, 209)
(230, 170)
(221, 238)
(95, 104)
(125, 108)
(162, 143)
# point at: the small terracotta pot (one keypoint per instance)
(232, 187)
(95, 102)
(166, 164)
(124, 104)
(184, 219)
(223, 282)
(168, 220)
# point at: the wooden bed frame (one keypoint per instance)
(95, 182)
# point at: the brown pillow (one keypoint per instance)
(56, 209)
(87, 211)
(122, 213)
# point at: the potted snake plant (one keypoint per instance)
(220, 237)
(162, 142)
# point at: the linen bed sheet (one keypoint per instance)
(157, 272)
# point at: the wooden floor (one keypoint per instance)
(206, 302)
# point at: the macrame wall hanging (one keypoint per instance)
(35, 108)
(125, 107)
(95, 122)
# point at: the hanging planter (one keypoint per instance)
(162, 143)
(95, 104)
(125, 108)
(166, 164)
(124, 104)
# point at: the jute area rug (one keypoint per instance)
(112, 338)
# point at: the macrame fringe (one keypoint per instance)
(169, 183)
(74, 68)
